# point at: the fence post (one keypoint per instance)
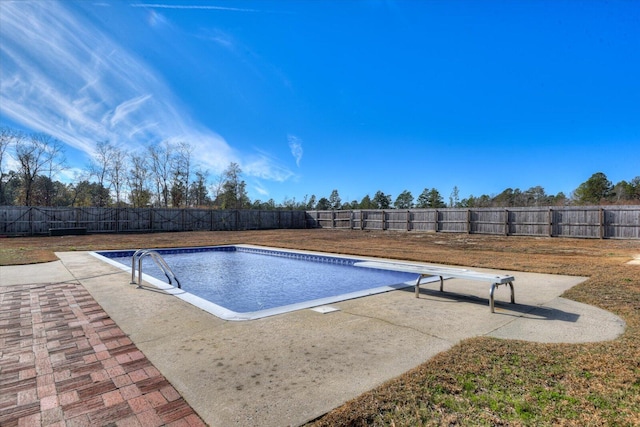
(468, 221)
(602, 223)
(506, 222)
(550, 222)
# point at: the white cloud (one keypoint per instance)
(63, 76)
(126, 108)
(295, 144)
(260, 189)
(156, 19)
(263, 166)
(192, 6)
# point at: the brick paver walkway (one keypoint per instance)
(64, 362)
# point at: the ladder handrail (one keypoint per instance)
(157, 258)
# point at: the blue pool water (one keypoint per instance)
(251, 282)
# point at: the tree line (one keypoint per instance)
(164, 175)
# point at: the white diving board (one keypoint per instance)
(444, 272)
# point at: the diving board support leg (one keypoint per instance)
(417, 286)
(493, 288)
(513, 296)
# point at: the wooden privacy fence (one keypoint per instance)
(24, 220)
(599, 222)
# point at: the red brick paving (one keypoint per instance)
(64, 362)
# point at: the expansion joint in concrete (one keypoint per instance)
(388, 322)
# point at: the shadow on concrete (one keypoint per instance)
(514, 310)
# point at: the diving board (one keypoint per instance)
(444, 272)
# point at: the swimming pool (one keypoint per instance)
(244, 282)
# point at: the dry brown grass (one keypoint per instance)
(481, 381)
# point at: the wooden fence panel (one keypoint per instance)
(247, 220)
(424, 220)
(578, 222)
(373, 220)
(268, 220)
(95, 220)
(135, 220)
(357, 220)
(284, 219)
(324, 219)
(342, 219)
(292, 219)
(166, 219)
(622, 222)
(34, 220)
(453, 220)
(488, 221)
(527, 222)
(196, 219)
(260, 220)
(224, 220)
(397, 220)
(14, 220)
(44, 218)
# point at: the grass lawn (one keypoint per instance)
(480, 381)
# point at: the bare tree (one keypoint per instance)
(454, 197)
(160, 162)
(39, 154)
(7, 137)
(109, 168)
(117, 172)
(100, 168)
(216, 189)
(182, 172)
(138, 180)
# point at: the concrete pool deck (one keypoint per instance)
(291, 368)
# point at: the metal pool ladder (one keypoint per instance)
(160, 262)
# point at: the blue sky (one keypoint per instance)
(358, 96)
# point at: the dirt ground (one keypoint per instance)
(450, 248)
(480, 381)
